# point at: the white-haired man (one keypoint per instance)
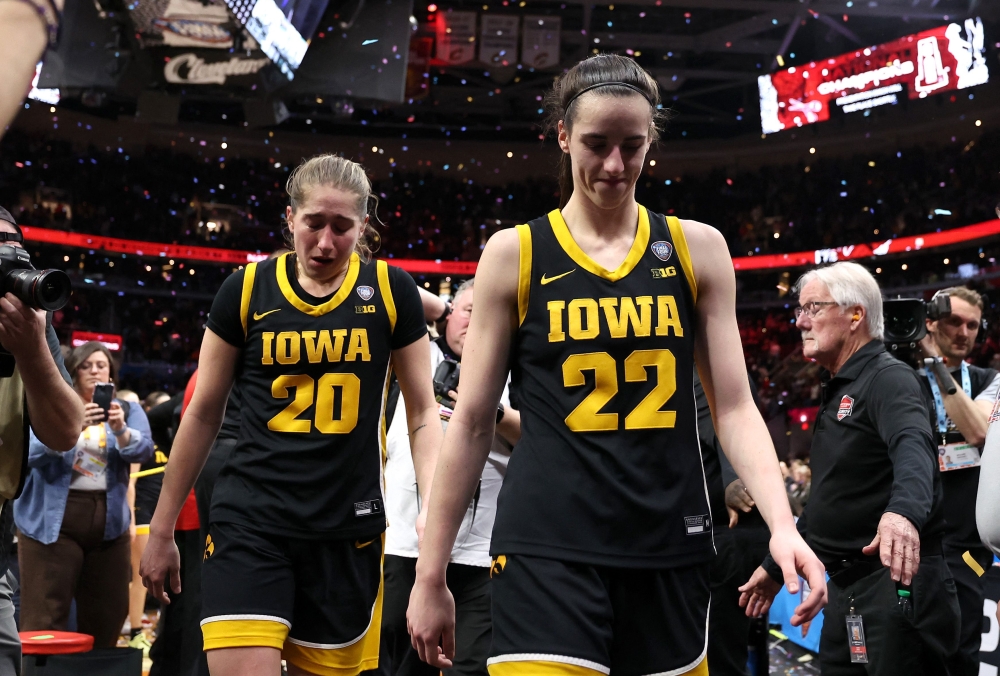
(874, 516)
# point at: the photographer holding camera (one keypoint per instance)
(874, 515)
(960, 420)
(37, 392)
(469, 569)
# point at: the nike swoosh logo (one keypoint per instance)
(258, 316)
(546, 280)
(361, 545)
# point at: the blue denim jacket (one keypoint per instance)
(39, 511)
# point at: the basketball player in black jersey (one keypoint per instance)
(293, 559)
(603, 534)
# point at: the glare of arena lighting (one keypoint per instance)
(878, 271)
(812, 151)
(211, 225)
(871, 163)
(904, 266)
(191, 271)
(374, 149)
(946, 261)
(224, 145)
(777, 235)
(979, 123)
(432, 7)
(652, 163)
(510, 154)
(52, 109)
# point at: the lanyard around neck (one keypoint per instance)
(942, 415)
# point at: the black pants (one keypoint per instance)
(916, 644)
(470, 585)
(965, 662)
(739, 551)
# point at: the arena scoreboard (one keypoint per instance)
(938, 60)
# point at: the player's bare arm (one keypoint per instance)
(197, 432)
(431, 615)
(741, 430)
(413, 369)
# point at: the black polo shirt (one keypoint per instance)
(872, 452)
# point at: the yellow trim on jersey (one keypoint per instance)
(523, 271)
(382, 270)
(142, 529)
(574, 251)
(973, 564)
(248, 276)
(244, 634)
(683, 254)
(317, 310)
(539, 668)
(349, 660)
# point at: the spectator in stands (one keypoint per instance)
(73, 518)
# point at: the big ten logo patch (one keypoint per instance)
(663, 273)
(364, 309)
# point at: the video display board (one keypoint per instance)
(282, 28)
(941, 59)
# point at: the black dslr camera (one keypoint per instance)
(40, 289)
(446, 380)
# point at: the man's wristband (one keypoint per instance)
(500, 412)
(121, 432)
(445, 313)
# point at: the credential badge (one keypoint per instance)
(662, 250)
(366, 292)
(846, 406)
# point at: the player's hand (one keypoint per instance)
(161, 561)
(430, 619)
(791, 552)
(898, 544)
(758, 593)
(737, 500)
(92, 415)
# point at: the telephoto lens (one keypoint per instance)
(47, 290)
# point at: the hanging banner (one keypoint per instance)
(498, 41)
(418, 68)
(541, 42)
(182, 23)
(456, 37)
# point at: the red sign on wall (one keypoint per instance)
(109, 340)
(941, 59)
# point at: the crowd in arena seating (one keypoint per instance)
(239, 202)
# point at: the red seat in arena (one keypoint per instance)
(55, 642)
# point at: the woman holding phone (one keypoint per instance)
(73, 518)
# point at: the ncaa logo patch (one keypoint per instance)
(661, 250)
(366, 292)
(846, 406)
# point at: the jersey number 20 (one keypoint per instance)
(307, 391)
(586, 417)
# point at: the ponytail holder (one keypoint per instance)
(608, 84)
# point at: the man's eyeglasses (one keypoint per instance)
(812, 308)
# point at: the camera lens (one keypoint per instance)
(42, 289)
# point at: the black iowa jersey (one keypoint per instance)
(309, 455)
(608, 470)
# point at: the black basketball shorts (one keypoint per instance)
(318, 601)
(558, 618)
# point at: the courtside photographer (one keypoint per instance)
(875, 513)
(35, 390)
(469, 569)
(960, 399)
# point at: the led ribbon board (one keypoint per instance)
(468, 268)
(941, 59)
